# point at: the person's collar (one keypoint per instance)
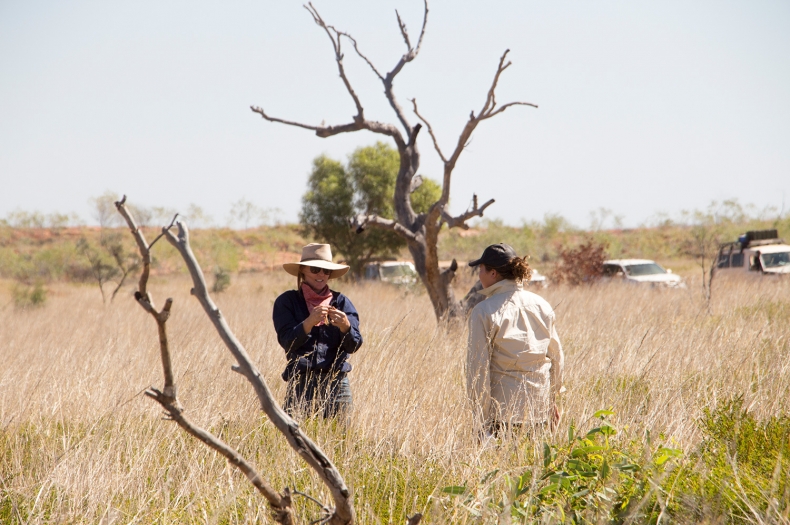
(502, 286)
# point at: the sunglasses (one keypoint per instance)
(315, 270)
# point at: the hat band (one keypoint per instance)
(314, 259)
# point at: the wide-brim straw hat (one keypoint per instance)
(320, 256)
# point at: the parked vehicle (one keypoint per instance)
(759, 252)
(393, 272)
(641, 271)
(538, 279)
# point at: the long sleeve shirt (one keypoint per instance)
(325, 348)
(514, 356)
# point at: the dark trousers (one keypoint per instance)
(311, 393)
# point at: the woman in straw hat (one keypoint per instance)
(514, 357)
(318, 328)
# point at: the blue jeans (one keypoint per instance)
(328, 394)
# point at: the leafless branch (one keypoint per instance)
(403, 32)
(489, 108)
(411, 54)
(323, 507)
(430, 130)
(360, 54)
(336, 45)
(460, 221)
(344, 510)
(142, 245)
(488, 111)
(172, 223)
(422, 32)
(360, 222)
(280, 504)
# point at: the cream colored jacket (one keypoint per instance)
(514, 357)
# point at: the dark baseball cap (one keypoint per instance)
(496, 256)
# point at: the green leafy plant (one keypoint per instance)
(743, 469)
(593, 477)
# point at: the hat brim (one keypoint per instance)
(475, 263)
(338, 270)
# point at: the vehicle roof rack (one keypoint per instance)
(761, 235)
(760, 238)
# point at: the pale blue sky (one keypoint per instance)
(644, 106)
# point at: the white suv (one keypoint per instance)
(760, 252)
(642, 271)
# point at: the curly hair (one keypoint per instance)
(517, 269)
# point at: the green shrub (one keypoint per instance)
(593, 477)
(29, 296)
(221, 279)
(742, 468)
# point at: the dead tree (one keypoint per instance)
(281, 504)
(421, 231)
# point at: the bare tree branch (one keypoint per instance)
(403, 32)
(141, 244)
(430, 130)
(360, 54)
(502, 108)
(280, 504)
(172, 223)
(489, 110)
(360, 222)
(422, 31)
(411, 54)
(460, 221)
(344, 510)
(338, 57)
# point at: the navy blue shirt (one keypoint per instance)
(325, 348)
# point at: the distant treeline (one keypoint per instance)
(34, 253)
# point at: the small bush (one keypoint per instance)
(583, 264)
(591, 478)
(743, 470)
(29, 296)
(221, 279)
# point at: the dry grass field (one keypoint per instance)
(80, 443)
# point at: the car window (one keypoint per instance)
(737, 260)
(636, 270)
(776, 260)
(610, 270)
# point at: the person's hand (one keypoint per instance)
(339, 319)
(315, 317)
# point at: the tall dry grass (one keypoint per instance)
(79, 443)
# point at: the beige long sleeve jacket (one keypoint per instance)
(514, 356)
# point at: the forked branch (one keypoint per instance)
(343, 513)
(490, 109)
(460, 220)
(335, 35)
(167, 398)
